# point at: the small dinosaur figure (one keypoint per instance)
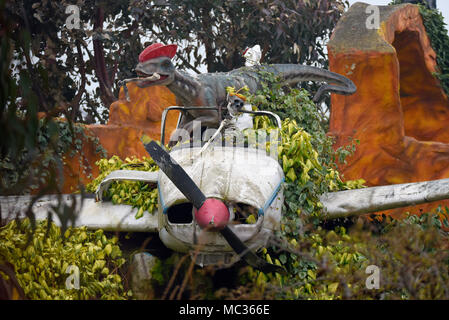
(209, 89)
(252, 56)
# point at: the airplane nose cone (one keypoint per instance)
(213, 213)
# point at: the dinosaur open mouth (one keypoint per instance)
(150, 79)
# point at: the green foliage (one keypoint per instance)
(41, 267)
(54, 140)
(307, 176)
(30, 148)
(439, 38)
(64, 65)
(137, 194)
(306, 150)
(226, 28)
(297, 105)
(331, 264)
(289, 103)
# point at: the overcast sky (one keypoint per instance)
(442, 5)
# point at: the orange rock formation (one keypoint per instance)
(128, 121)
(399, 113)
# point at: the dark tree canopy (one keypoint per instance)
(48, 66)
(226, 28)
(105, 47)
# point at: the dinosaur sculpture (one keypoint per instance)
(252, 56)
(209, 89)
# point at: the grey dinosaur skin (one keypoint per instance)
(209, 89)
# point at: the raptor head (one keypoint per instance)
(155, 62)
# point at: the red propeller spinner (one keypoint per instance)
(213, 213)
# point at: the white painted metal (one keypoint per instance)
(373, 199)
(234, 175)
(107, 216)
(120, 175)
(92, 214)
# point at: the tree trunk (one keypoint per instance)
(210, 52)
(106, 95)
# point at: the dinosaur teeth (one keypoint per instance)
(143, 82)
(141, 77)
(155, 76)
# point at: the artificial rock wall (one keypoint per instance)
(128, 121)
(400, 114)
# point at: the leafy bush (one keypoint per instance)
(439, 38)
(41, 265)
(411, 255)
(306, 150)
(54, 141)
(135, 193)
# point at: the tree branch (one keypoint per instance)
(75, 104)
(100, 65)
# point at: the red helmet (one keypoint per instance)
(157, 50)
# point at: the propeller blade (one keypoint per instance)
(246, 254)
(176, 174)
(188, 187)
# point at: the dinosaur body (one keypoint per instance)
(209, 89)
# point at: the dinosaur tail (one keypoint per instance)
(292, 74)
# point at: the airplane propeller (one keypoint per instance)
(209, 212)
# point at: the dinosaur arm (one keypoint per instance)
(186, 88)
(205, 118)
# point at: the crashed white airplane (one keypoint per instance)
(201, 189)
